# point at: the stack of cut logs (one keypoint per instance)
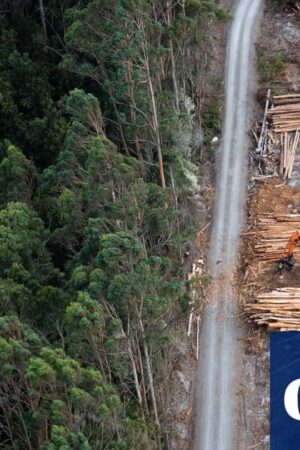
(270, 239)
(278, 309)
(289, 146)
(285, 116)
(285, 113)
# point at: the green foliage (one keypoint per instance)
(131, 63)
(212, 120)
(29, 116)
(55, 389)
(207, 8)
(26, 270)
(63, 439)
(270, 65)
(91, 240)
(18, 177)
(23, 256)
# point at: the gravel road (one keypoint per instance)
(218, 403)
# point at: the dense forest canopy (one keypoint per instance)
(100, 121)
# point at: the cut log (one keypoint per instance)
(259, 148)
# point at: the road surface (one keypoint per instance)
(218, 380)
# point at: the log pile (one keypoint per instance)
(270, 239)
(268, 298)
(289, 144)
(285, 113)
(278, 309)
(285, 117)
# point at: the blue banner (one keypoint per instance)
(285, 387)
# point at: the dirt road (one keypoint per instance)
(218, 406)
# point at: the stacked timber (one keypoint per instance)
(285, 117)
(269, 241)
(288, 144)
(285, 113)
(278, 309)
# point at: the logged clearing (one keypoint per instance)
(272, 299)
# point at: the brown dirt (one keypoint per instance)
(273, 197)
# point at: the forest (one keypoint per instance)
(101, 121)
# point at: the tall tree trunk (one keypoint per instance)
(149, 373)
(154, 108)
(169, 14)
(135, 375)
(133, 364)
(173, 69)
(140, 361)
(156, 129)
(136, 137)
(121, 130)
(43, 18)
